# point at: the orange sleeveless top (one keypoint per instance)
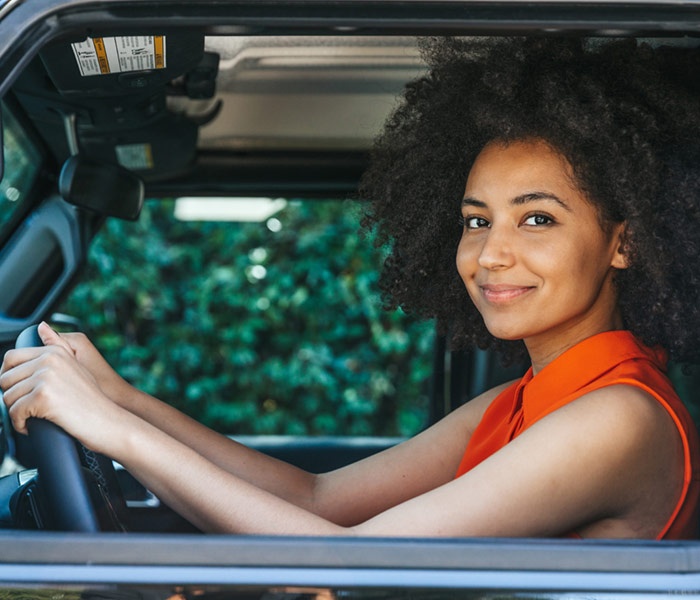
(613, 357)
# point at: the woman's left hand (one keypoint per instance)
(49, 383)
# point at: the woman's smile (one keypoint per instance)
(499, 294)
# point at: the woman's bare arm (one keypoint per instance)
(595, 462)
(346, 496)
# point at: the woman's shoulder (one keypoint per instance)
(639, 438)
(623, 404)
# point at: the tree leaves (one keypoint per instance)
(254, 329)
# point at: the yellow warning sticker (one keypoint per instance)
(159, 44)
(135, 156)
(101, 55)
(122, 54)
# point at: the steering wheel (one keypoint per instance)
(62, 474)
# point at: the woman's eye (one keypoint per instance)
(475, 222)
(538, 220)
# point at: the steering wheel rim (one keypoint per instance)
(69, 504)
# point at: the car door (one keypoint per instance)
(42, 235)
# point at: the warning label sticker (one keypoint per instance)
(101, 56)
(135, 156)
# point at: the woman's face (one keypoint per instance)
(533, 255)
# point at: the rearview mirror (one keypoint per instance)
(106, 189)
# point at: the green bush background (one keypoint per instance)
(253, 331)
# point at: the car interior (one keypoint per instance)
(112, 108)
(119, 116)
(122, 118)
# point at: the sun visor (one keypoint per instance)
(113, 65)
(111, 92)
(166, 147)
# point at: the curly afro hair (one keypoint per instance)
(626, 117)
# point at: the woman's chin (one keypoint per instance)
(507, 334)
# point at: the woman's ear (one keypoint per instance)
(620, 258)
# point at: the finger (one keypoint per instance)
(80, 344)
(16, 399)
(18, 366)
(19, 422)
(24, 363)
(51, 338)
(15, 358)
(26, 398)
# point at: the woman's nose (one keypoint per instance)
(496, 251)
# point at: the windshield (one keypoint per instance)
(273, 325)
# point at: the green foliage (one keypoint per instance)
(255, 331)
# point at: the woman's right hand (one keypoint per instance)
(50, 383)
(110, 382)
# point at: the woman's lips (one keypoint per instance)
(502, 293)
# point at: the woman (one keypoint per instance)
(577, 241)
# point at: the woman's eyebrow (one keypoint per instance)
(473, 202)
(533, 196)
(518, 200)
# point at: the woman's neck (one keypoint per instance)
(545, 348)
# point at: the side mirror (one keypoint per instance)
(106, 189)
